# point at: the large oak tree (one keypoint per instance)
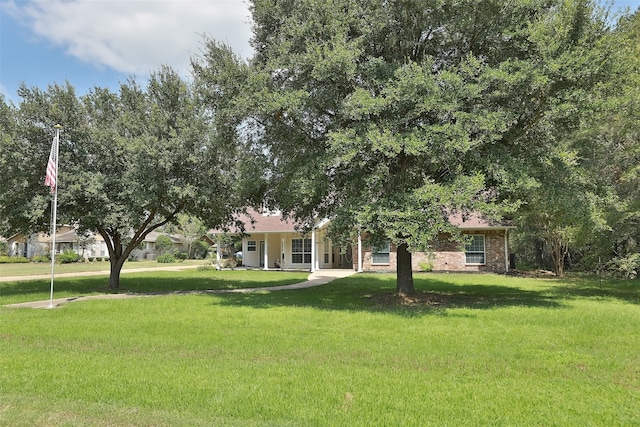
(130, 161)
(389, 116)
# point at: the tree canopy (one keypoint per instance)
(389, 116)
(130, 161)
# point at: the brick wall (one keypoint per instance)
(449, 256)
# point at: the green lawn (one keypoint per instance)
(469, 350)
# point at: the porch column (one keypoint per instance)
(266, 251)
(218, 251)
(283, 256)
(313, 250)
(506, 250)
(359, 252)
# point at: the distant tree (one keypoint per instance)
(191, 229)
(130, 162)
(164, 244)
(85, 241)
(388, 116)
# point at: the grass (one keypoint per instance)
(468, 350)
(40, 268)
(145, 282)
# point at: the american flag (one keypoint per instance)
(52, 166)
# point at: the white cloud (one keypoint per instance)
(136, 36)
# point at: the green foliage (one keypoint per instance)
(388, 116)
(200, 249)
(626, 267)
(41, 258)
(131, 161)
(425, 266)
(164, 244)
(68, 256)
(13, 260)
(166, 259)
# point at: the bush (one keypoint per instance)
(40, 258)
(182, 255)
(166, 259)
(13, 260)
(229, 263)
(200, 249)
(425, 266)
(68, 257)
(626, 267)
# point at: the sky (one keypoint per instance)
(104, 42)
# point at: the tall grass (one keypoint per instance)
(469, 350)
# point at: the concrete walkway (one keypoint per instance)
(317, 278)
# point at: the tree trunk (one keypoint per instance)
(557, 249)
(404, 284)
(116, 268)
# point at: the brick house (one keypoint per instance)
(271, 242)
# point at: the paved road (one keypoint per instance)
(317, 278)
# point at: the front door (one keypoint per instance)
(346, 258)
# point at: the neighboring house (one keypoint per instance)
(66, 239)
(269, 241)
(148, 249)
(89, 246)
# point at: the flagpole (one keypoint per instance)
(54, 212)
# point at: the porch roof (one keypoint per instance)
(258, 222)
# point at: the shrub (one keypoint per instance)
(229, 263)
(163, 244)
(13, 260)
(200, 249)
(182, 255)
(40, 258)
(68, 257)
(626, 267)
(166, 259)
(425, 266)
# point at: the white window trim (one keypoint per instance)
(303, 253)
(252, 244)
(375, 250)
(484, 251)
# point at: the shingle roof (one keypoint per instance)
(257, 222)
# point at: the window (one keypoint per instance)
(474, 250)
(380, 254)
(326, 251)
(251, 246)
(300, 251)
